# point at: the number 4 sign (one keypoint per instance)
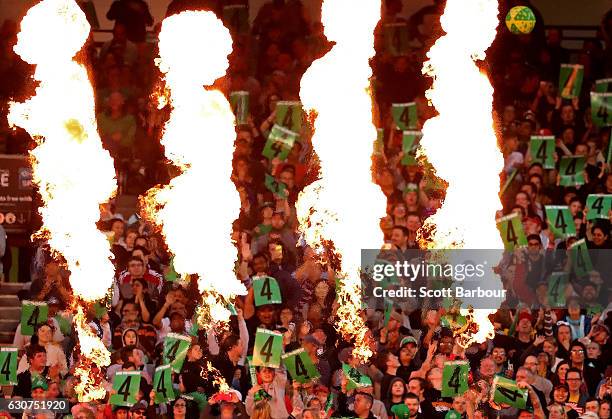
(560, 221)
(266, 291)
(33, 313)
(512, 232)
(267, 349)
(506, 391)
(125, 385)
(8, 366)
(455, 378)
(599, 206)
(300, 366)
(175, 350)
(162, 384)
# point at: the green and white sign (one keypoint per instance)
(410, 144)
(571, 171)
(279, 144)
(598, 206)
(175, 350)
(603, 85)
(455, 378)
(560, 221)
(268, 348)
(289, 115)
(542, 149)
(355, 379)
(555, 294)
(266, 291)
(162, 384)
(570, 80)
(506, 392)
(512, 233)
(300, 366)
(239, 102)
(601, 109)
(379, 143)
(8, 366)
(404, 115)
(279, 189)
(397, 38)
(125, 385)
(33, 314)
(580, 258)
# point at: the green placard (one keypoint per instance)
(33, 313)
(542, 150)
(125, 385)
(175, 350)
(162, 384)
(560, 221)
(236, 18)
(404, 115)
(355, 379)
(455, 378)
(509, 180)
(571, 171)
(65, 324)
(388, 310)
(505, 391)
(555, 294)
(580, 258)
(598, 206)
(279, 189)
(397, 38)
(266, 291)
(8, 366)
(279, 144)
(511, 230)
(239, 102)
(300, 366)
(171, 275)
(601, 109)
(410, 144)
(603, 85)
(289, 115)
(570, 80)
(267, 349)
(252, 370)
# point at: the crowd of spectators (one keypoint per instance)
(561, 356)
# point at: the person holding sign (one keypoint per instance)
(272, 382)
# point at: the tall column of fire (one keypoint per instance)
(73, 172)
(341, 211)
(197, 208)
(468, 159)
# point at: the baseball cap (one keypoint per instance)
(408, 339)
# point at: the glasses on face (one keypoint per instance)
(572, 379)
(577, 351)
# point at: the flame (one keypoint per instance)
(201, 202)
(461, 93)
(93, 352)
(344, 206)
(73, 171)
